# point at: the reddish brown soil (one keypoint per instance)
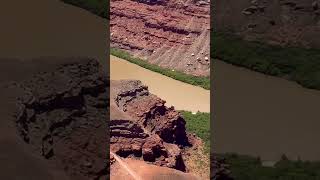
(173, 34)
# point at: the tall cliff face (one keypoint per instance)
(169, 33)
(284, 22)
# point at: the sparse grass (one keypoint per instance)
(250, 168)
(198, 162)
(199, 159)
(296, 64)
(200, 125)
(203, 82)
(98, 7)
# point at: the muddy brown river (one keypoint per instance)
(178, 94)
(264, 116)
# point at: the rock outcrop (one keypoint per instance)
(169, 33)
(282, 22)
(62, 115)
(142, 127)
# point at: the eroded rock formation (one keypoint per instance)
(142, 127)
(169, 33)
(62, 115)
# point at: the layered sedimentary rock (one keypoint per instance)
(62, 115)
(169, 33)
(284, 22)
(144, 131)
(142, 127)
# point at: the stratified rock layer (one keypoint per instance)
(169, 33)
(63, 116)
(142, 127)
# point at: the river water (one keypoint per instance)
(178, 94)
(264, 116)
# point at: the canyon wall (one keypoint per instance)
(173, 34)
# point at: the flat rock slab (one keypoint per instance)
(147, 172)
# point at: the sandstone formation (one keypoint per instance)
(284, 22)
(170, 33)
(62, 115)
(142, 127)
(144, 132)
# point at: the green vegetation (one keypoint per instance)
(297, 64)
(200, 125)
(203, 82)
(98, 7)
(249, 168)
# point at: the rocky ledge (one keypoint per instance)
(142, 127)
(144, 131)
